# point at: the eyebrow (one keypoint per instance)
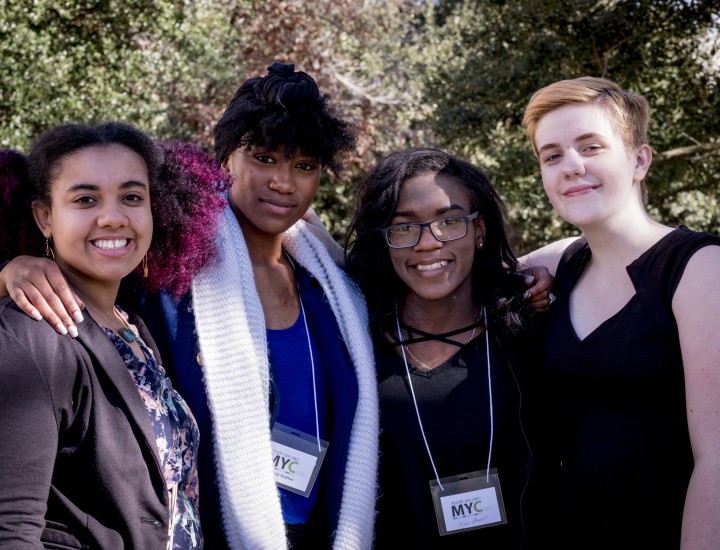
(438, 212)
(93, 187)
(582, 137)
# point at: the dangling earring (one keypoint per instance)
(48, 250)
(144, 266)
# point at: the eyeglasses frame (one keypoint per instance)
(467, 218)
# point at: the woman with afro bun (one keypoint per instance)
(270, 346)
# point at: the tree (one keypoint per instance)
(486, 59)
(155, 63)
(455, 74)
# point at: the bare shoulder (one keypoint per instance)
(703, 266)
(698, 290)
(548, 255)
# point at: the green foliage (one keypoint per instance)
(455, 74)
(141, 61)
(487, 58)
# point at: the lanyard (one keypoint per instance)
(417, 410)
(310, 352)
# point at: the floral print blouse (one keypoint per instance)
(177, 439)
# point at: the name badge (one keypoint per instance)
(468, 501)
(296, 458)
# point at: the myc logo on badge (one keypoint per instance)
(285, 463)
(468, 508)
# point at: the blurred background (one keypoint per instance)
(450, 74)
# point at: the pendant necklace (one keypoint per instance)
(126, 333)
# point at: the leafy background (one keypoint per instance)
(451, 74)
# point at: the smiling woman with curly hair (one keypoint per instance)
(186, 200)
(94, 436)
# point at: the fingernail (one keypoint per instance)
(526, 294)
(529, 279)
(78, 317)
(61, 329)
(36, 315)
(72, 329)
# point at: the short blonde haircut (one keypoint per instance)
(630, 112)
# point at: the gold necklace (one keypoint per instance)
(427, 367)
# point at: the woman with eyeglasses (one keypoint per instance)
(428, 245)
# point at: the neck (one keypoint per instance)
(621, 241)
(438, 316)
(263, 248)
(97, 295)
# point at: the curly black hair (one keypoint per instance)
(187, 196)
(18, 232)
(284, 109)
(24, 179)
(495, 283)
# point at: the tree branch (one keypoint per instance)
(686, 151)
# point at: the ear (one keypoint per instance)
(643, 159)
(479, 231)
(224, 164)
(43, 217)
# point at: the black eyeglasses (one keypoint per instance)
(405, 235)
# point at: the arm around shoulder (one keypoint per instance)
(548, 255)
(40, 290)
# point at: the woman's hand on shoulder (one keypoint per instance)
(539, 293)
(317, 228)
(38, 288)
(547, 256)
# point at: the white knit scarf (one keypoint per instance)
(231, 331)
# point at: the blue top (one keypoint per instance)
(291, 369)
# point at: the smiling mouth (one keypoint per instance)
(579, 190)
(110, 244)
(428, 267)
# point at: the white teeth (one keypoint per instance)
(111, 244)
(436, 265)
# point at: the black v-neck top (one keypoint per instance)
(454, 406)
(620, 395)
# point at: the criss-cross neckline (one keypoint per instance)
(427, 336)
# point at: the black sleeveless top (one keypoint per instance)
(621, 421)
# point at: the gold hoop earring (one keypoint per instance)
(48, 250)
(144, 266)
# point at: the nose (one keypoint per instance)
(282, 178)
(573, 163)
(427, 239)
(112, 214)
